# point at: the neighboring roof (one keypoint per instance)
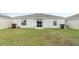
(39, 15)
(3, 15)
(73, 17)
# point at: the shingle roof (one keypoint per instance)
(3, 15)
(39, 15)
(76, 16)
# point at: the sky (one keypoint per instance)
(56, 7)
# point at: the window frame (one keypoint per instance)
(24, 22)
(39, 23)
(55, 22)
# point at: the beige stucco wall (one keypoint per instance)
(5, 23)
(30, 23)
(74, 24)
(47, 23)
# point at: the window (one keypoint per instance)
(54, 22)
(39, 23)
(23, 22)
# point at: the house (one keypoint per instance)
(38, 21)
(5, 21)
(72, 21)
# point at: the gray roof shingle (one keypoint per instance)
(39, 15)
(76, 16)
(3, 15)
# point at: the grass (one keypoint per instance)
(42, 37)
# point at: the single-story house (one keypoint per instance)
(5, 21)
(38, 21)
(73, 21)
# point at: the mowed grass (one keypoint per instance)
(40, 37)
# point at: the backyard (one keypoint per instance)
(40, 37)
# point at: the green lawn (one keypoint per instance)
(43, 37)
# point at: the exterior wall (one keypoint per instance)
(5, 23)
(74, 24)
(47, 23)
(30, 23)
